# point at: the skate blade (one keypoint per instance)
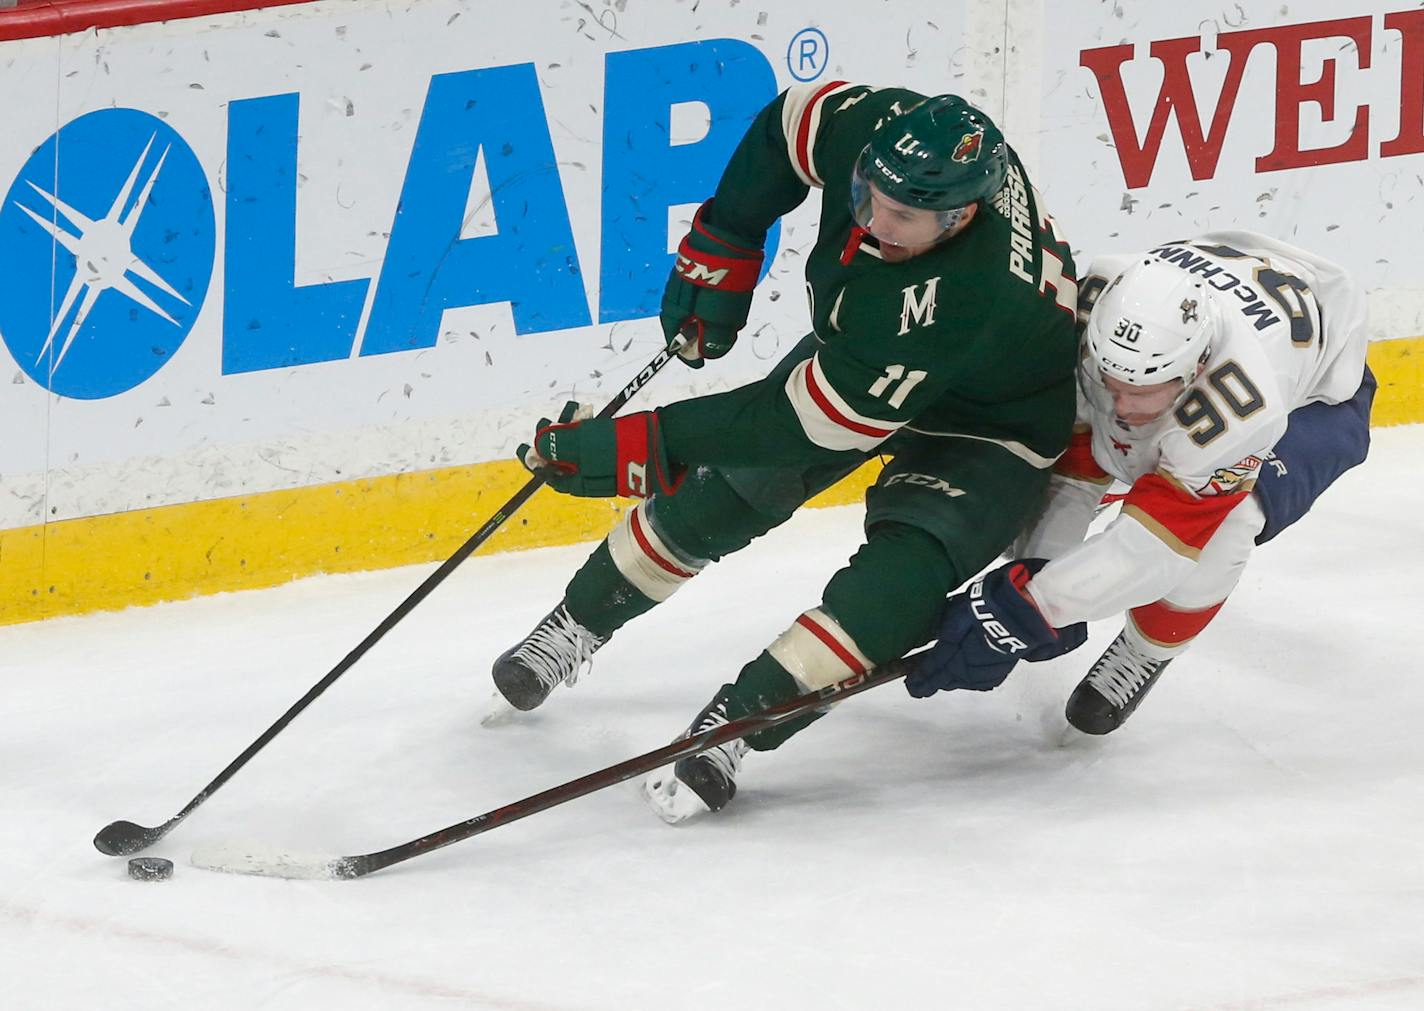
(670, 800)
(497, 711)
(1070, 736)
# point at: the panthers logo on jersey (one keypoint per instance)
(967, 150)
(1225, 480)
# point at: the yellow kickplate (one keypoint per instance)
(169, 553)
(102, 563)
(1399, 367)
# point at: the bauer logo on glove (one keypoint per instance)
(986, 631)
(996, 633)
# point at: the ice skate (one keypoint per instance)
(1108, 694)
(496, 711)
(700, 783)
(554, 653)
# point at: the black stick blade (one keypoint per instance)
(124, 837)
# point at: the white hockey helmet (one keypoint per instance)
(1154, 323)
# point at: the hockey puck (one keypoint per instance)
(150, 869)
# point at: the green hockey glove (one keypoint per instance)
(709, 292)
(601, 457)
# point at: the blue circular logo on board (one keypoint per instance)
(808, 55)
(107, 235)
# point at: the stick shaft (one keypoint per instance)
(367, 863)
(133, 841)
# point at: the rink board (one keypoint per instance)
(173, 552)
(345, 386)
(151, 555)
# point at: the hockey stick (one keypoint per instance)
(284, 864)
(121, 838)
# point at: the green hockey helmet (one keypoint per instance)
(941, 155)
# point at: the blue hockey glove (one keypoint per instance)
(986, 631)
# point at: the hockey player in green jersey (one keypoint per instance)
(942, 312)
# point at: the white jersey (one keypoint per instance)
(1292, 332)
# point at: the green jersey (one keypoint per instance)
(973, 338)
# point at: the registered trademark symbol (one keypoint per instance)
(808, 54)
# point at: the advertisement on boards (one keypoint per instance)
(277, 248)
(1304, 122)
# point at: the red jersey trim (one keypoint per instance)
(1180, 519)
(804, 140)
(1164, 625)
(830, 411)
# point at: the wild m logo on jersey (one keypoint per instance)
(920, 308)
(967, 150)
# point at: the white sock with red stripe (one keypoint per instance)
(817, 652)
(654, 567)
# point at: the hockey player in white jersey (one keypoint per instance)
(1224, 380)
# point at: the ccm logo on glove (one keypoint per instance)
(709, 291)
(635, 481)
(700, 273)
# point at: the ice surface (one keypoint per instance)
(1253, 839)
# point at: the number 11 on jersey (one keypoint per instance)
(903, 384)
